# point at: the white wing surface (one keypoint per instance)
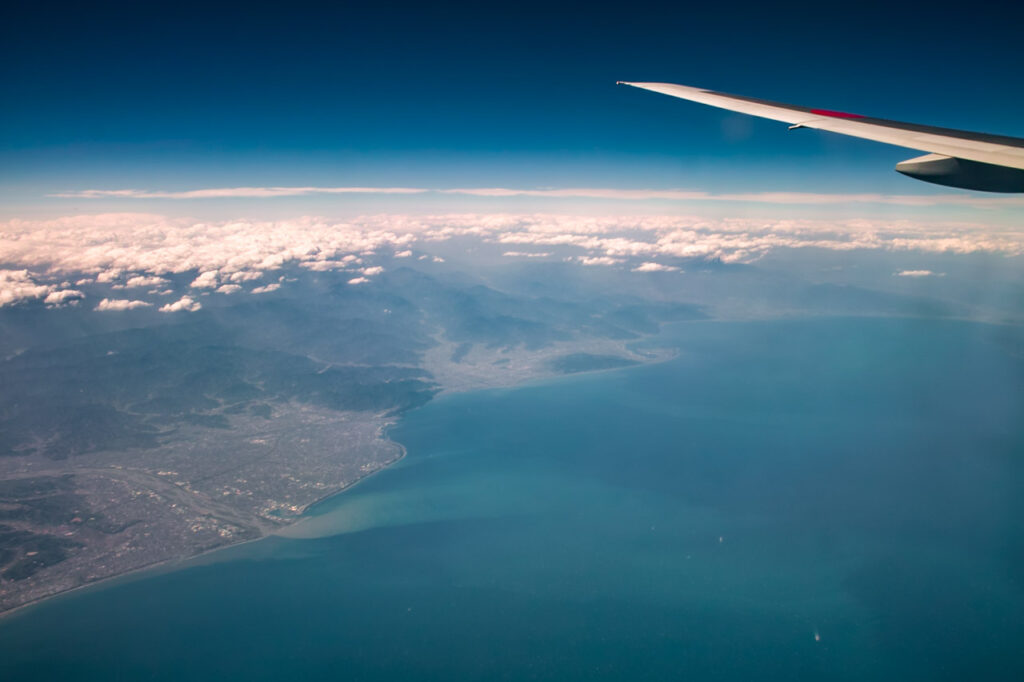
(996, 150)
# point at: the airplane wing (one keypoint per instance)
(956, 158)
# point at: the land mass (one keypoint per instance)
(129, 448)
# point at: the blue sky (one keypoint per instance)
(180, 96)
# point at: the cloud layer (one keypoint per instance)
(785, 198)
(39, 259)
(230, 192)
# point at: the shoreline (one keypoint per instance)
(171, 564)
(177, 563)
(402, 452)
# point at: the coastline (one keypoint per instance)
(177, 563)
(402, 452)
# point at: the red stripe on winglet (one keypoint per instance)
(834, 114)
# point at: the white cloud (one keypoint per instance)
(375, 270)
(229, 288)
(582, 193)
(121, 304)
(654, 267)
(231, 192)
(526, 254)
(267, 288)
(206, 280)
(106, 246)
(598, 260)
(403, 254)
(601, 193)
(63, 297)
(918, 273)
(19, 286)
(324, 265)
(139, 281)
(23, 286)
(183, 304)
(358, 280)
(129, 249)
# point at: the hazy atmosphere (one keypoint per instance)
(631, 387)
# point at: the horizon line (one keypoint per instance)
(598, 193)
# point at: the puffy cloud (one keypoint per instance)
(267, 288)
(139, 281)
(19, 286)
(237, 277)
(22, 286)
(744, 240)
(654, 267)
(121, 304)
(63, 297)
(229, 288)
(598, 260)
(358, 280)
(138, 249)
(183, 304)
(403, 254)
(206, 280)
(107, 246)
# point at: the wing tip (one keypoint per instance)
(660, 87)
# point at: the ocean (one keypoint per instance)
(813, 499)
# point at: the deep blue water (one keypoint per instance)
(825, 499)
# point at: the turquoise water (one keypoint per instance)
(826, 499)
